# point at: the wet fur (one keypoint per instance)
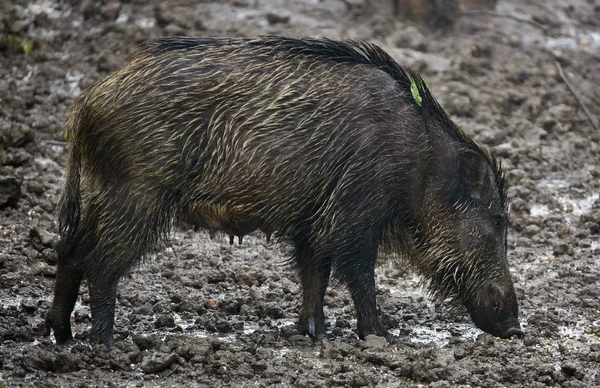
(317, 141)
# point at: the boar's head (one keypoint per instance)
(459, 237)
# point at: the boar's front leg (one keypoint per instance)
(358, 272)
(103, 295)
(314, 275)
(354, 247)
(351, 232)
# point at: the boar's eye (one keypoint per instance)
(499, 221)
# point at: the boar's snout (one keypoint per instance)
(496, 311)
(515, 330)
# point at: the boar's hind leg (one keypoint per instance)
(314, 275)
(70, 271)
(130, 232)
(103, 278)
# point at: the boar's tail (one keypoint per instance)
(70, 203)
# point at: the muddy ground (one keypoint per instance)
(204, 313)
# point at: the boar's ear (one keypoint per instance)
(473, 174)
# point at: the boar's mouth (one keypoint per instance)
(512, 331)
(506, 329)
(497, 311)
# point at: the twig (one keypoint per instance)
(56, 142)
(503, 15)
(169, 373)
(585, 109)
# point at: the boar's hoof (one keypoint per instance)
(313, 327)
(102, 338)
(377, 329)
(381, 333)
(62, 331)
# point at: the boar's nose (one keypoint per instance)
(514, 330)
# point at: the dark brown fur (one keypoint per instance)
(319, 142)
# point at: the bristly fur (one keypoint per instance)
(317, 141)
(347, 52)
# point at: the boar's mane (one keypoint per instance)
(344, 52)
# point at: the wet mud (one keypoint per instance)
(205, 313)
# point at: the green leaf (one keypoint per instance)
(14, 45)
(27, 46)
(415, 93)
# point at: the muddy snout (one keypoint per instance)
(513, 331)
(502, 329)
(497, 311)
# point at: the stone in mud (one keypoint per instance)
(460, 105)
(39, 359)
(17, 136)
(299, 340)
(16, 158)
(149, 342)
(594, 227)
(110, 11)
(67, 362)
(177, 16)
(334, 349)
(572, 369)
(531, 230)
(410, 37)
(155, 364)
(504, 149)
(120, 360)
(41, 236)
(28, 307)
(189, 348)
(274, 18)
(462, 351)
(10, 190)
(560, 248)
(374, 342)
(436, 14)
(164, 321)
(35, 187)
(223, 326)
